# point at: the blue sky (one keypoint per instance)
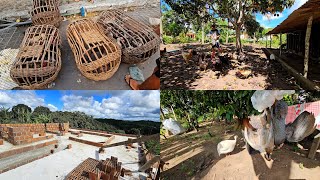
(124, 105)
(271, 21)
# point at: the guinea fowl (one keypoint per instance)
(301, 127)
(226, 146)
(279, 113)
(261, 136)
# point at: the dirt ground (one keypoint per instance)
(266, 74)
(193, 155)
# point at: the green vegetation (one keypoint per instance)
(24, 114)
(134, 127)
(192, 107)
(153, 146)
(198, 14)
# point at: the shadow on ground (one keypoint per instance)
(266, 74)
(194, 156)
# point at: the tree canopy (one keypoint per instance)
(238, 12)
(23, 114)
(217, 105)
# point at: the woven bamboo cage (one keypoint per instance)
(46, 12)
(39, 59)
(138, 41)
(97, 56)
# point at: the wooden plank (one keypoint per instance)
(130, 141)
(148, 164)
(314, 148)
(304, 82)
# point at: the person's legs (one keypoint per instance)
(131, 82)
(152, 83)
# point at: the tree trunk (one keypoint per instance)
(238, 39)
(202, 33)
(162, 114)
(174, 114)
(306, 56)
(227, 37)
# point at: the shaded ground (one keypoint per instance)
(297, 62)
(176, 74)
(194, 156)
(70, 77)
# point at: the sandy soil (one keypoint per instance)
(194, 156)
(266, 74)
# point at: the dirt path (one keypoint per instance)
(194, 156)
(176, 74)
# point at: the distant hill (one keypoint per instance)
(134, 127)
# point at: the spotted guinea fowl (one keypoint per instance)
(301, 127)
(261, 136)
(226, 146)
(279, 113)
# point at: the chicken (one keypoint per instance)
(278, 115)
(203, 64)
(187, 56)
(302, 126)
(226, 146)
(262, 139)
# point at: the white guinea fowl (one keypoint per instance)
(226, 146)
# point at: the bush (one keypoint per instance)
(167, 39)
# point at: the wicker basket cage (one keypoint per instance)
(46, 12)
(138, 41)
(97, 56)
(39, 59)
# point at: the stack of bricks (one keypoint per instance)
(19, 135)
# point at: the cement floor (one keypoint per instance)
(70, 78)
(58, 165)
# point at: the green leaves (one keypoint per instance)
(223, 104)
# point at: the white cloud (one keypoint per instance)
(123, 105)
(12, 98)
(269, 17)
(128, 105)
(52, 107)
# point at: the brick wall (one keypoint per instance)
(23, 133)
(19, 135)
(56, 127)
(34, 128)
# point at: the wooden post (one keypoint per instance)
(270, 41)
(314, 147)
(202, 33)
(266, 41)
(307, 44)
(280, 42)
